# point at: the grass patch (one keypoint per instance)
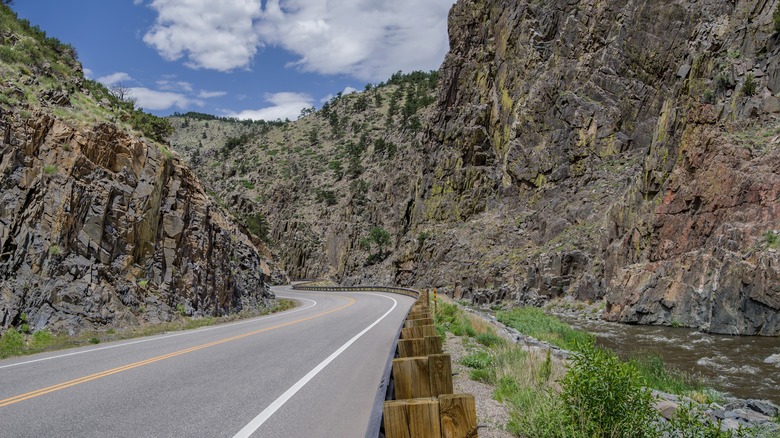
(14, 343)
(535, 323)
(658, 375)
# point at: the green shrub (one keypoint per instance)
(247, 184)
(94, 340)
(771, 239)
(451, 318)
(40, 339)
(750, 86)
(54, 250)
(49, 169)
(479, 360)
(605, 397)
(11, 343)
(776, 17)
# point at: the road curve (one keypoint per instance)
(312, 371)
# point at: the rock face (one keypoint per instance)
(100, 228)
(609, 149)
(617, 150)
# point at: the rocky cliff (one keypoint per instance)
(624, 150)
(619, 151)
(99, 226)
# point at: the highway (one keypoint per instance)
(312, 371)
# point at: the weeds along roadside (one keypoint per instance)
(23, 342)
(595, 394)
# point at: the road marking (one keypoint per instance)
(156, 338)
(74, 382)
(261, 418)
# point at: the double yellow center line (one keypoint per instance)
(91, 377)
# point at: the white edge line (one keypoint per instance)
(261, 418)
(157, 338)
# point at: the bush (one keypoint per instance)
(750, 86)
(605, 397)
(776, 17)
(11, 343)
(479, 360)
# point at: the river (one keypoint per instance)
(742, 366)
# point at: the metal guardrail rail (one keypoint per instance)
(396, 290)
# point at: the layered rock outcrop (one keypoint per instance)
(624, 150)
(100, 228)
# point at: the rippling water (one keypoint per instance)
(743, 366)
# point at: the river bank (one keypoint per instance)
(732, 412)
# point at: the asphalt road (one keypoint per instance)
(313, 371)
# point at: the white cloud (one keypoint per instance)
(285, 105)
(368, 39)
(213, 36)
(114, 78)
(210, 94)
(349, 90)
(87, 73)
(168, 85)
(160, 100)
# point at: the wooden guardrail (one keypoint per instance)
(424, 404)
(420, 402)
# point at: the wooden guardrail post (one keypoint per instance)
(458, 416)
(418, 332)
(412, 379)
(418, 418)
(440, 374)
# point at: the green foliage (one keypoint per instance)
(750, 86)
(771, 239)
(489, 339)
(478, 360)
(153, 127)
(380, 237)
(180, 309)
(449, 317)
(233, 143)
(422, 237)
(604, 397)
(11, 343)
(142, 283)
(534, 322)
(40, 339)
(338, 170)
(776, 17)
(329, 197)
(94, 340)
(49, 169)
(658, 375)
(247, 184)
(54, 250)
(257, 224)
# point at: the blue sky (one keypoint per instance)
(260, 59)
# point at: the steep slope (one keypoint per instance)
(317, 187)
(612, 149)
(99, 226)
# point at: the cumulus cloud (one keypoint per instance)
(285, 105)
(114, 78)
(156, 100)
(368, 39)
(214, 36)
